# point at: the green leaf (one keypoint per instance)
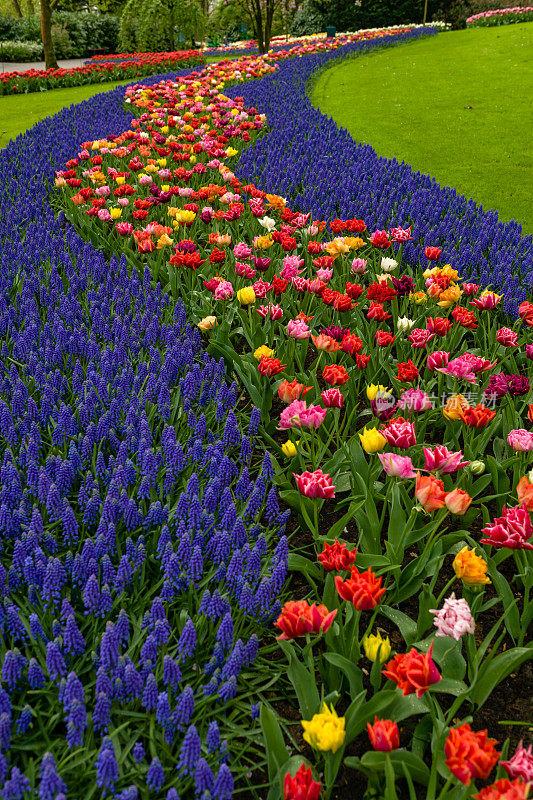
(277, 753)
(303, 682)
(377, 760)
(450, 686)
(405, 624)
(501, 666)
(338, 527)
(350, 670)
(511, 615)
(299, 563)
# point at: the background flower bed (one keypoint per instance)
(504, 16)
(319, 168)
(40, 80)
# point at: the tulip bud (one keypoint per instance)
(289, 448)
(384, 735)
(375, 646)
(477, 467)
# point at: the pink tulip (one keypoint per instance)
(399, 434)
(454, 618)
(460, 367)
(437, 359)
(507, 337)
(124, 228)
(521, 440)
(415, 400)
(513, 529)
(332, 398)
(315, 484)
(521, 764)
(224, 291)
(358, 266)
(324, 274)
(298, 329)
(443, 460)
(397, 466)
(241, 250)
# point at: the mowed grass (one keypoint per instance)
(458, 106)
(20, 112)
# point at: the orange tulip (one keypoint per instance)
(524, 491)
(429, 492)
(458, 501)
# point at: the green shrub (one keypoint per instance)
(20, 51)
(307, 20)
(6, 27)
(74, 34)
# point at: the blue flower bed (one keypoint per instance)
(320, 168)
(136, 573)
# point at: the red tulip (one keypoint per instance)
(383, 735)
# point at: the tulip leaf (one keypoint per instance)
(376, 760)
(511, 615)
(502, 665)
(338, 527)
(349, 669)
(303, 682)
(405, 624)
(277, 753)
(299, 563)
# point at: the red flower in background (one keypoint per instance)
(384, 338)
(335, 375)
(465, 318)
(336, 556)
(433, 253)
(505, 789)
(270, 366)
(525, 311)
(477, 416)
(470, 754)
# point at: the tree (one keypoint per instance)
(47, 6)
(158, 25)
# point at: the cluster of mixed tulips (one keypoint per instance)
(500, 16)
(405, 393)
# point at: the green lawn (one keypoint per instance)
(458, 106)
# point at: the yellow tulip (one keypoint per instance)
(372, 390)
(325, 731)
(263, 351)
(207, 323)
(246, 295)
(289, 448)
(375, 645)
(470, 568)
(115, 212)
(372, 440)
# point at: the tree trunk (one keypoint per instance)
(17, 9)
(46, 34)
